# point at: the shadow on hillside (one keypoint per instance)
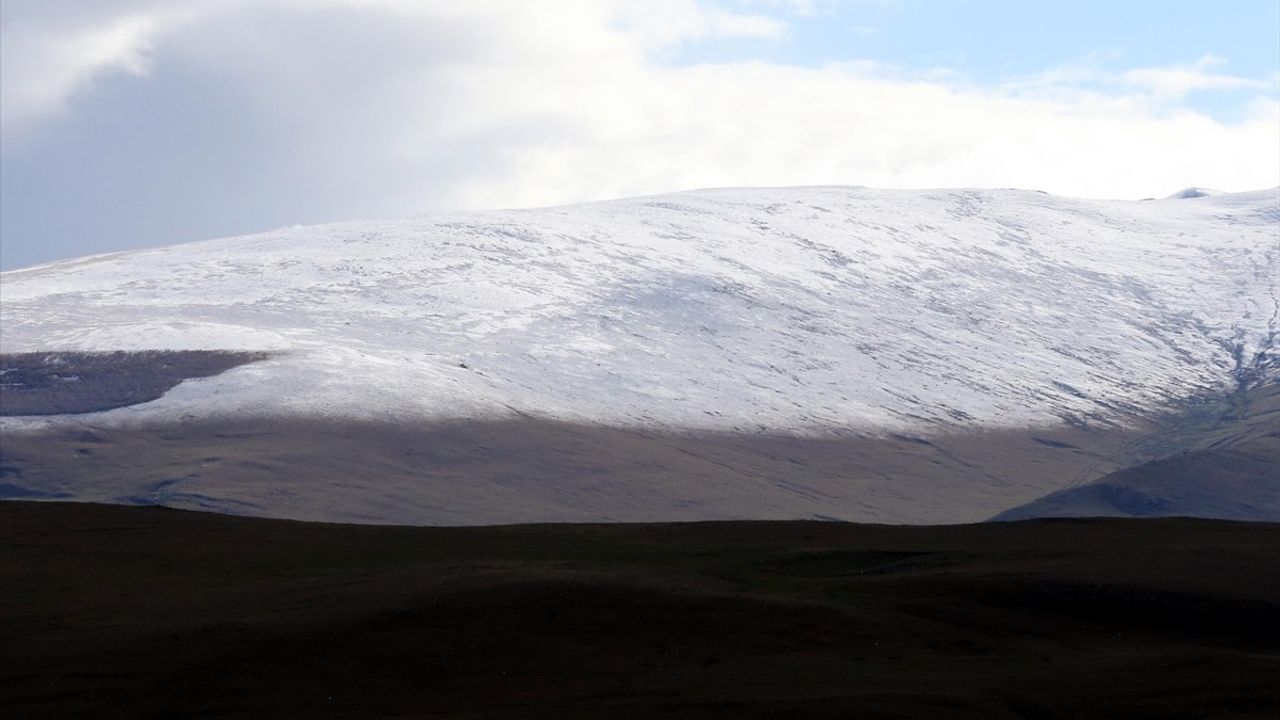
(62, 383)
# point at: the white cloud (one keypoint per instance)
(1176, 82)
(421, 105)
(809, 8)
(757, 124)
(671, 22)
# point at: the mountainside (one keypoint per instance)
(1083, 328)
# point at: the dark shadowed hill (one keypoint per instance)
(150, 613)
(1241, 482)
(1235, 473)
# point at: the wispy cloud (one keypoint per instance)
(1177, 82)
(1096, 73)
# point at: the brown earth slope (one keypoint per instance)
(530, 469)
(537, 470)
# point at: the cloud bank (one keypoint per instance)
(234, 116)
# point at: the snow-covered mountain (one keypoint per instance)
(815, 311)
(808, 309)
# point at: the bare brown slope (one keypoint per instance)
(531, 470)
(148, 613)
(528, 469)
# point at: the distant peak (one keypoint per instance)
(1193, 192)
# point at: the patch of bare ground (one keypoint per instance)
(59, 383)
(536, 470)
(150, 613)
(527, 469)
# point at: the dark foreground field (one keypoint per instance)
(145, 612)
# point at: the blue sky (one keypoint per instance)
(995, 38)
(145, 122)
(990, 41)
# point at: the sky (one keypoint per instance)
(136, 123)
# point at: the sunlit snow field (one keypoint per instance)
(809, 310)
